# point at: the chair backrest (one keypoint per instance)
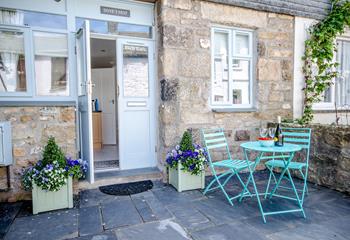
(215, 139)
(299, 136)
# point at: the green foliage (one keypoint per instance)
(186, 141)
(319, 68)
(53, 152)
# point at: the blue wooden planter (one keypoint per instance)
(183, 181)
(44, 201)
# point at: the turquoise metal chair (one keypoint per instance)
(215, 139)
(301, 137)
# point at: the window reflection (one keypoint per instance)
(126, 29)
(221, 84)
(135, 71)
(51, 64)
(240, 77)
(12, 62)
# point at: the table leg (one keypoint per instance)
(251, 178)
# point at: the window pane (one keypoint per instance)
(134, 30)
(241, 83)
(242, 44)
(220, 89)
(51, 64)
(106, 27)
(34, 19)
(45, 20)
(12, 62)
(135, 71)
(343, 82)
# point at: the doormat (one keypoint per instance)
(127, 188)
(106, 164)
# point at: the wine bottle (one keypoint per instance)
(278, 134)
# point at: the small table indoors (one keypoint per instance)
(286, 153)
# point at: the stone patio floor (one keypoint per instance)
(163, 213)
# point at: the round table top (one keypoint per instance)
(255, 146)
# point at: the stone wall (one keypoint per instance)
(330, 157)
(31, 127)
(184, 70)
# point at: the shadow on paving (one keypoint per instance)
(163, 213)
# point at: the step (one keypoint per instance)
(121, 176)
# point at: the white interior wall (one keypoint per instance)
(104, 91)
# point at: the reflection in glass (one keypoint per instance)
(45, 20)
(12, 62)
(33, 19)
(51, 64)
(221, 84)
(242, 44)
(343, 82)
(108, 27)
(240, 78)
(135, 71)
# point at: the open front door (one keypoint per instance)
(84, 97)
(135, 71)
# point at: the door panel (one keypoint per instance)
(136, 103)
(84, 98)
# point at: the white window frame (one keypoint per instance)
(48, 97)
(319, 106)
(28, 60)
(231, 55)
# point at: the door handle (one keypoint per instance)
(112, 101)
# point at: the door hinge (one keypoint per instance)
(155, 148)
(75, 50)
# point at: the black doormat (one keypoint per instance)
(127, 188)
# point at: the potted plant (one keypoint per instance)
(51, 179)
(186, 163)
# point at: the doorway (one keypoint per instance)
(104, 104)
(119, 72)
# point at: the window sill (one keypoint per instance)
(34, 103)
(234, 110)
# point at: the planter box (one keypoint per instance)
(183, 181)
(46, 201)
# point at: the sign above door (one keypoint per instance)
(115, 11)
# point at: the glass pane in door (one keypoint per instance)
(135, 71)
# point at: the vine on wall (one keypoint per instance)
(319, 67)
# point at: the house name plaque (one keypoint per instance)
(115, 11)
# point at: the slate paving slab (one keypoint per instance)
(90, 221)
(189, 217)
(312, 231)
(144, 209)
(62, 224)
(101, 236)
(166, 229)
(119, 213)
(94, 197)
(228, 232)
(8, 212)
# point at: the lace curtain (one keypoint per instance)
(9, 78)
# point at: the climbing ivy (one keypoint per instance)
(319, 67)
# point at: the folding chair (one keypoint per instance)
(215, 139)
(301, 137)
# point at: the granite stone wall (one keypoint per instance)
(31, 127)
(330, 157)
(184, 70)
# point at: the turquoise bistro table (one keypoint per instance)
(285, 153)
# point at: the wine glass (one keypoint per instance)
(263, 132)
(272, 132)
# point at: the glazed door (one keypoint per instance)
(84, 97)
(135, 74)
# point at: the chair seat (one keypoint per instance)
(280, 163)
(233, 164)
